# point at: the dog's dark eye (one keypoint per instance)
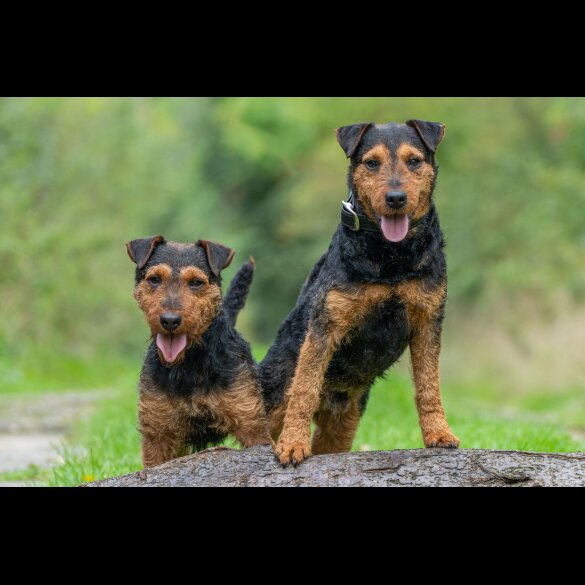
(414, 163)
(154, 280)
(195, 284)
(372, 164)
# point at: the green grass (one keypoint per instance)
(37, 373)
(390, 422)
(32, 475)
(108, 444)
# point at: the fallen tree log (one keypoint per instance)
(257, 466)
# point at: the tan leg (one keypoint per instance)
(161, 448)
(276, 419)
(305, 393)
(425, 348)
(163, 427)
(335, 429)
(425, 306)
(240, 411)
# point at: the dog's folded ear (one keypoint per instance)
(218, 255)
(431, 133)
(141, 250)
(349, 137)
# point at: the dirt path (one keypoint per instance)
(32, 427)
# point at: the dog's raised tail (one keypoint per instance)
(237, 293)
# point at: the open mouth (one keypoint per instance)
(394, 227)
(171, 345)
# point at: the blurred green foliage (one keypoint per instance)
(79, 177)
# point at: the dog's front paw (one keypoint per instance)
(441, 439)
(292, 451)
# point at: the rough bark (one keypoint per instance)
(418, 467)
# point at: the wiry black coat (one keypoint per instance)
(354, 258)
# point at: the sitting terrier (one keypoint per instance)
(381, 286)
(198, 383)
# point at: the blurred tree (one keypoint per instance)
(79, 177)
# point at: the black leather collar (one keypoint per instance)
(355, 221)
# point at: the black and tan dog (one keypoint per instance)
(198, 383)
(380, 287)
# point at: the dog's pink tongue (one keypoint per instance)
(395, 227)
(171, 345)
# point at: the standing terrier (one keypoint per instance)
(380, 287)
(198, 383)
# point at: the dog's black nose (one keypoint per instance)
(396, 199)
(170, 321)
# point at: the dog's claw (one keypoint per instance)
(294, 452)
(445, 440)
